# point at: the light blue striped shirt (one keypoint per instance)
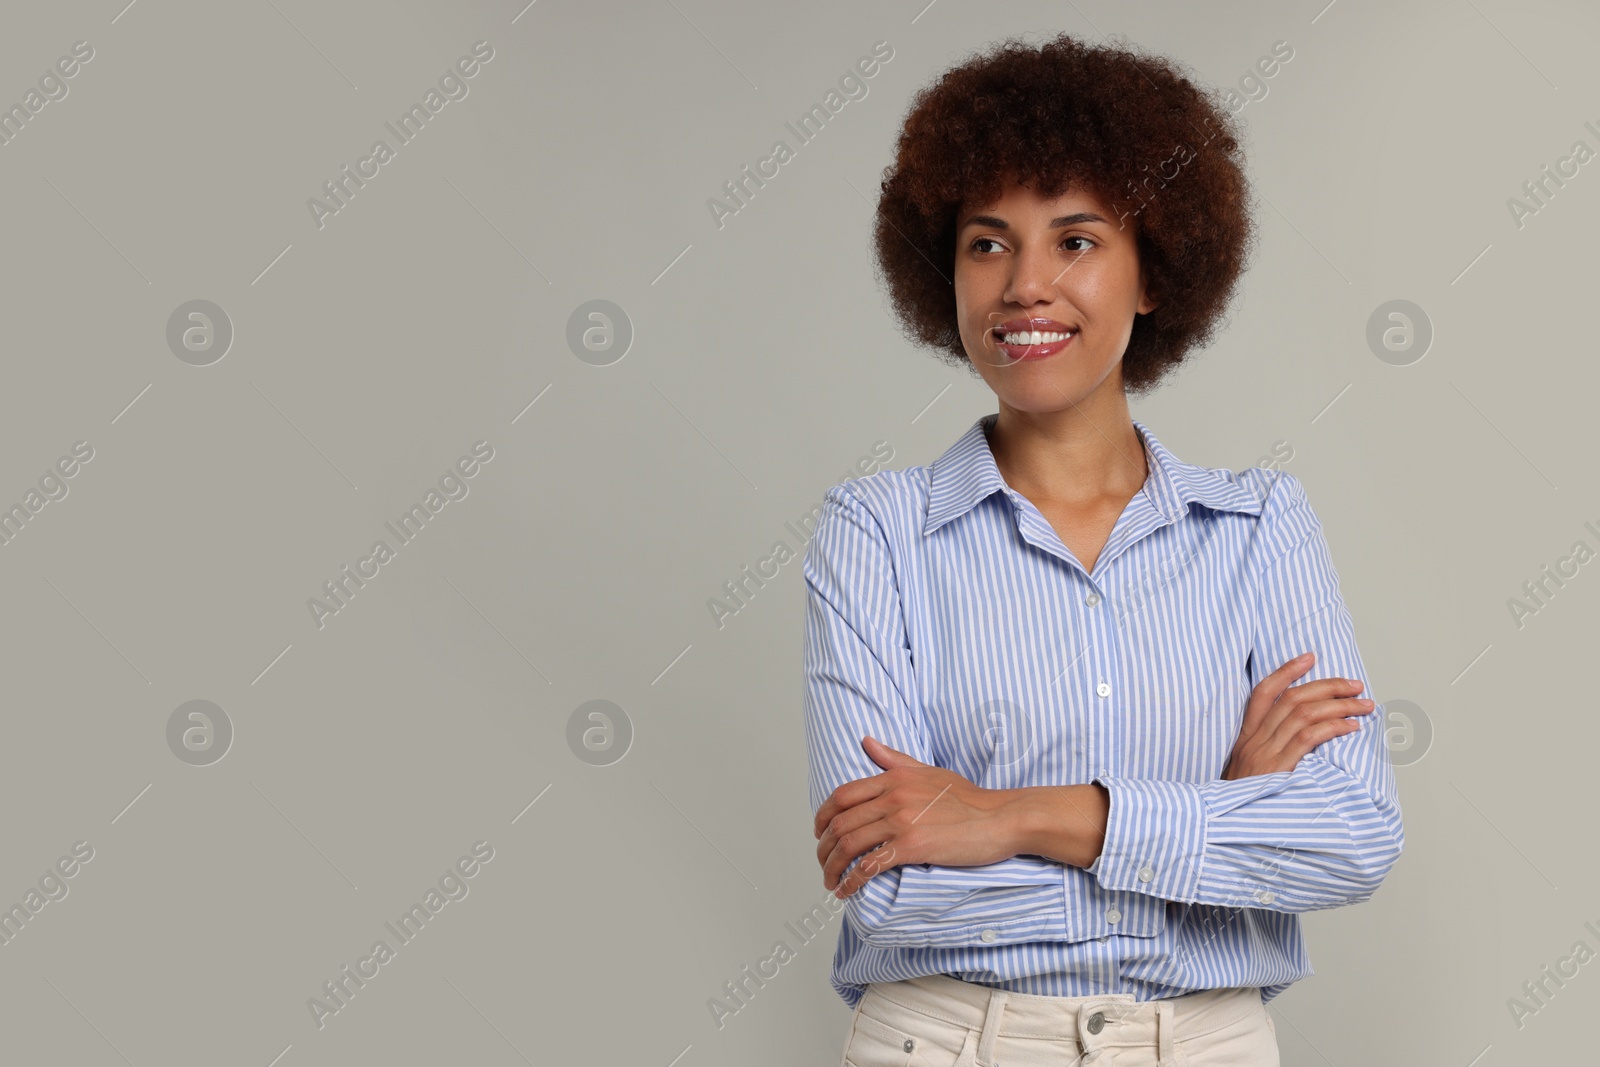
(945, 617)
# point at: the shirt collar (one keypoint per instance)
(966, 474)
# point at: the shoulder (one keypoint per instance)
(889, 506)
(886, 493)
(1287, 517)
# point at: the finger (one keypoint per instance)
(879, 753)
(872, 864)
(869, 845)
(1314, 716)
(1270, 688)
(1294, 697)
(847, 847)
(1274, 756)
(834, 874)
(846, 821)
(857, 842)
(846, 796)
(824, 815)
(842, 798)
(889, 758)
(1312, 736)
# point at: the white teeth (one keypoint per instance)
(1036, 337)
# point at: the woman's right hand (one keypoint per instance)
(1282, 724)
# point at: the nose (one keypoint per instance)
(1034, 274)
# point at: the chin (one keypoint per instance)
(1042, 401)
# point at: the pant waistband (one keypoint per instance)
(1105, 1020)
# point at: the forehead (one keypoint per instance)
(1018, 200)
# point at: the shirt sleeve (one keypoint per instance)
(859, 681)
(1322, 835)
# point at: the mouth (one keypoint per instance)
(1032, 338)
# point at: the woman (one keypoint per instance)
(1058, 768)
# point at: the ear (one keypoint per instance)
(1149, 300)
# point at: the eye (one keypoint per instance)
(978, 242)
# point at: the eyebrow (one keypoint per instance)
(1055, 224)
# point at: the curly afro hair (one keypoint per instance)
(1131, 128)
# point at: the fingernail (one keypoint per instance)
(1302, 657)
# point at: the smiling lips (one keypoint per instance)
(1032, 338)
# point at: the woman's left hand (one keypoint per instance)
(917, 813)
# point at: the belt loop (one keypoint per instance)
(991, 1028)
(1165, 1025)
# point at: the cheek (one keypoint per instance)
(976, 292)
(1104, 295)
(962, 282)
(966, 300)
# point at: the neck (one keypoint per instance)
(1070, 456)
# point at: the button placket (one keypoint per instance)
(1099, 664)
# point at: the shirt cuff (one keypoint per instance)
(1018, 900)
(1155, 838)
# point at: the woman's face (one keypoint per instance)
(1062, 268)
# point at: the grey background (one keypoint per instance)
(431, 312)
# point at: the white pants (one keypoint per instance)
(941, 1021)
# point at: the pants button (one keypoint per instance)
(1097, 1022)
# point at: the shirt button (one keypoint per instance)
(1145, 874)
(1104, 689)
(1097, 1022)
(1113, 915)
(988, 935)
(1092, 599)
(1267, 896)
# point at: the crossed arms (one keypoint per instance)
(1322, 834)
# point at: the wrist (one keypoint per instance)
(1065, 823)
(1017, 820)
